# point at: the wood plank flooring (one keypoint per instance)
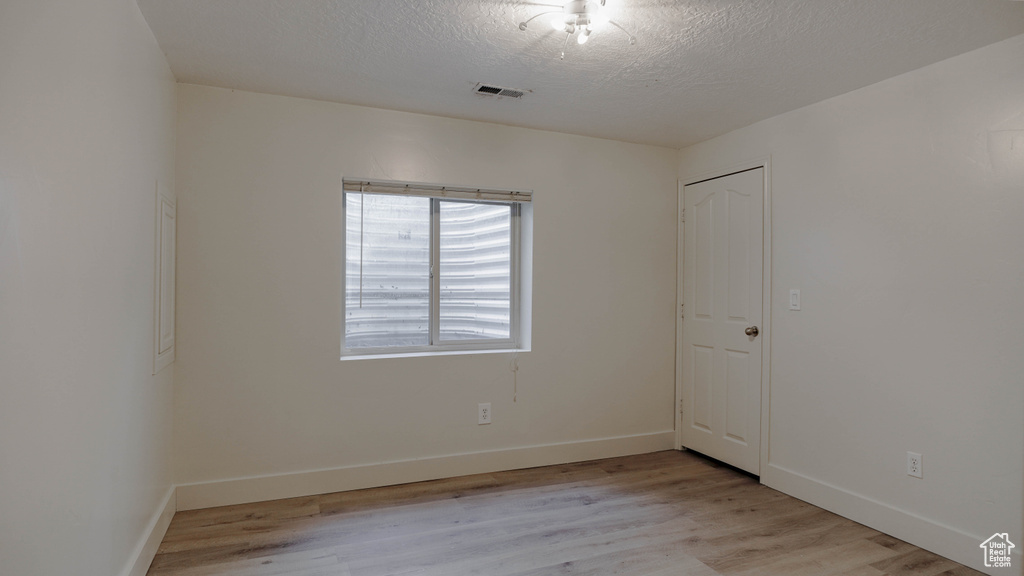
(667, 513)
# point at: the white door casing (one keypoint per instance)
(721, 365)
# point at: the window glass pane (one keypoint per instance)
(387, 271)
(475, 270)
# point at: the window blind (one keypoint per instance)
(429, 266)
(432, 191)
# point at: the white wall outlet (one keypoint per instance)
(914, 465)
(483, 415)
(794, 299)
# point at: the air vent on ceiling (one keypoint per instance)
(489, 90)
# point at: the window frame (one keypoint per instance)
(436, 195)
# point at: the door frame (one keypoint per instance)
(766, 297)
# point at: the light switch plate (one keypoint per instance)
(794, 299)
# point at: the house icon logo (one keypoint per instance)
(997, 550)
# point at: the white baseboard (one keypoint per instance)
(261, 488)
(150, 540)
(920, 531)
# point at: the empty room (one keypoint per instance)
(511, 287)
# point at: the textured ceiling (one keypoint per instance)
(699, 68)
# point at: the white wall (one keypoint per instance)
(87, 106)
(259, 386)
(898, 210)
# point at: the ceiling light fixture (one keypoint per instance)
(578, 16)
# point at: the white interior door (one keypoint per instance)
(722, 302)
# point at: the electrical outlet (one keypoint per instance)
(914, 465)
(483, 415)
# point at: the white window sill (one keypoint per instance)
(433, 353)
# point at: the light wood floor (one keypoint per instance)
(668, 513)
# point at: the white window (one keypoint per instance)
(430, 268)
